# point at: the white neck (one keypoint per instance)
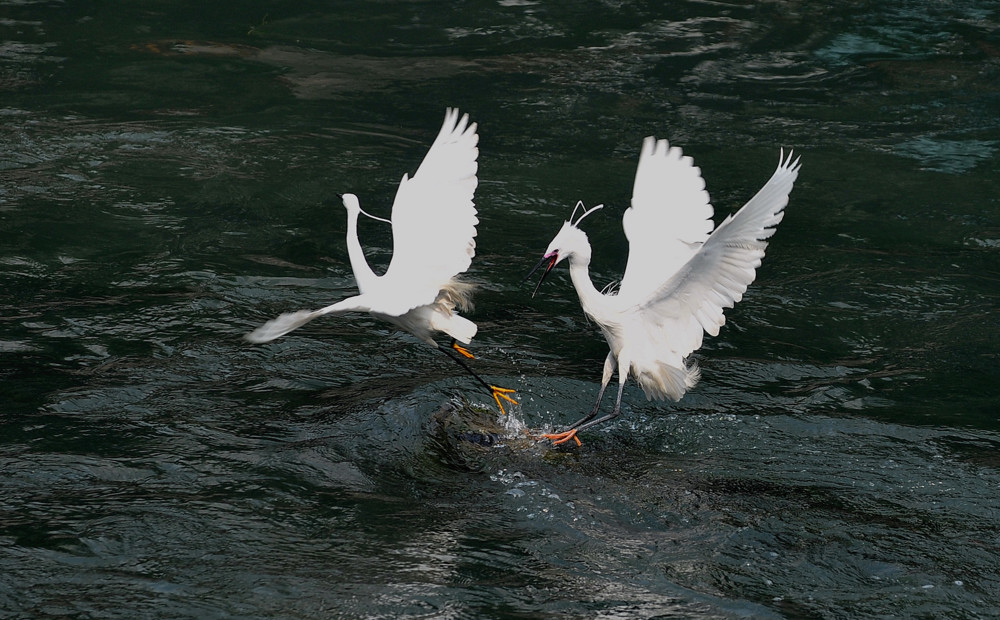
(579, 273)
(363, 274)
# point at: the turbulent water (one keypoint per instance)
(168, 180)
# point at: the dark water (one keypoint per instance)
(167, 181)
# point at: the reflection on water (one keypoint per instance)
(167, 182)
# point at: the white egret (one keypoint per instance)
(433, 234)
(679, 277)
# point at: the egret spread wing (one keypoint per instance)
(670, 215)
(434, 218)
(290, 321)
(716, 276)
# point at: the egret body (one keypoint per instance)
(679, 277)
(433, 232)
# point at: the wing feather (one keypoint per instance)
(692, 301)
(434, 217)
(670, 215)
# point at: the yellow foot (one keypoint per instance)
(501, 393)
(558, 438)
(463, 350)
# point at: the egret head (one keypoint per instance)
(354, 207)
(569, 241)
(350, 202)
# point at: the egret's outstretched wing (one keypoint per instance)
(692, 301)
(290, 321)
(434, 217)
(669, 216)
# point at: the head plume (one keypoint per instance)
(586, 212)
(351, 204)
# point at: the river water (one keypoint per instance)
(168, 173)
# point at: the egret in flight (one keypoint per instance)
(679, 277)
(433, 236)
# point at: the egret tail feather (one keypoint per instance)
(455, 325)
(662, 381)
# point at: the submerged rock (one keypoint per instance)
(470, 436)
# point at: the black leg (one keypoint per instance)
(611, 416)
(497, 393)
(461, 362)
(588, 421)
(590, 416)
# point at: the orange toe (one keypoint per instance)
(463, 350)
(559, 438)
(501, 393)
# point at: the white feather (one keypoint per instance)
(434, 218)
(670, 216)
(720, 271)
